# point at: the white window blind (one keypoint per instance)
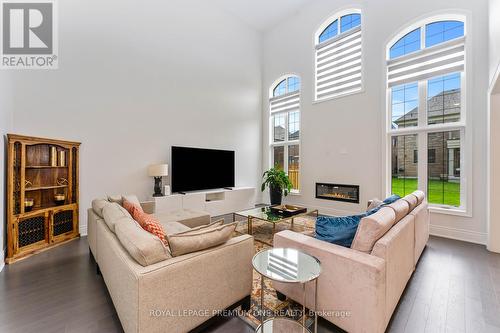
(438, 60)
(285, 103)
(339, 65)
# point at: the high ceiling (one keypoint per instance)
(261, 14)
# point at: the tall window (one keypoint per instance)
(338, 56)
(425, 78)
(285, 124)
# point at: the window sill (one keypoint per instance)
(449, 211)
(294, 193)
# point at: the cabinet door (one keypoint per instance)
(63, 223)
(194, 201)
(31, 232)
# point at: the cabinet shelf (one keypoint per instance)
(45, 167)
(45, 188)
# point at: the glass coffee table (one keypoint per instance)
(288, 266)
(265, 214)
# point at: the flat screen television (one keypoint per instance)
(201, 169)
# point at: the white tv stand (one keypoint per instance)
(216, 202)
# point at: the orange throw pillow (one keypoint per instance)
(150, 224)
(131, 207)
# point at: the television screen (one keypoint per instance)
(201, 169)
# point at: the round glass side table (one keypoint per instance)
(288, 266)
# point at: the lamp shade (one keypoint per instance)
(158, 170)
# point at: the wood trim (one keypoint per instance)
(23, 175)
(10, 199)
(35, 140)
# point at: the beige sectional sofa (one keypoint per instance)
(360, 287)
(159, 293)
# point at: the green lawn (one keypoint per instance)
(439, 192)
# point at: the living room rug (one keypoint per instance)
(263, 239)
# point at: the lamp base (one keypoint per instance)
(157, 187)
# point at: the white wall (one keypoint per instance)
(342, 139)
(494, 172)
(494, 36)
(494, 127)
(135, 78)
(5, 127)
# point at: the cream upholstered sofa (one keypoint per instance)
(360, 287)
(163, 293)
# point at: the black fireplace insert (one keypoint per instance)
(338, 192)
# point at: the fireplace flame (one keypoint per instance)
(336, 195)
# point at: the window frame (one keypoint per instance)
(423, 128)
(286, 143)
(315, 43)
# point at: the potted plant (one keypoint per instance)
(278, 182)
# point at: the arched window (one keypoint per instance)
(435, 33)
(443, 31)
(426, 129)
(407, 44)
(338, 56)
(284, 107)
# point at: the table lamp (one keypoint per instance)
(157, 171)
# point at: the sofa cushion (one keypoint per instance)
(98, 205)
(189, 218)
(149, 223)
(144, 247)
(115, 198)
(411, 200)
(419, 195)
(401, 209)
(173, 227)
(372, 228)
(192, 241)
(337, 230)
(112, 213)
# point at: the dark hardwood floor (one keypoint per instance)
(455, 288)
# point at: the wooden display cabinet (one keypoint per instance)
(42, 194)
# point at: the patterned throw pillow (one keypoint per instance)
(149, 223)
(132, 207)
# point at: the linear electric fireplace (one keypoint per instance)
(338, 192)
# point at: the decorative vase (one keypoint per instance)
(59, 199)
(62, 158)
(28, 204)
(53, 156)
(275, 193)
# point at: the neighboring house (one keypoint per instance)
(444, 148)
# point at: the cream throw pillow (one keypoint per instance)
(200, 239)
(374, 203)
(212, 225)
(144, 247)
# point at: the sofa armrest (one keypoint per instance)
(203, 282)
(351, 282)
(148, 207)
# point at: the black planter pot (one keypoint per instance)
(275, 193)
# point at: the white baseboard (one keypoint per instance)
(458, 234)
(83, 230)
